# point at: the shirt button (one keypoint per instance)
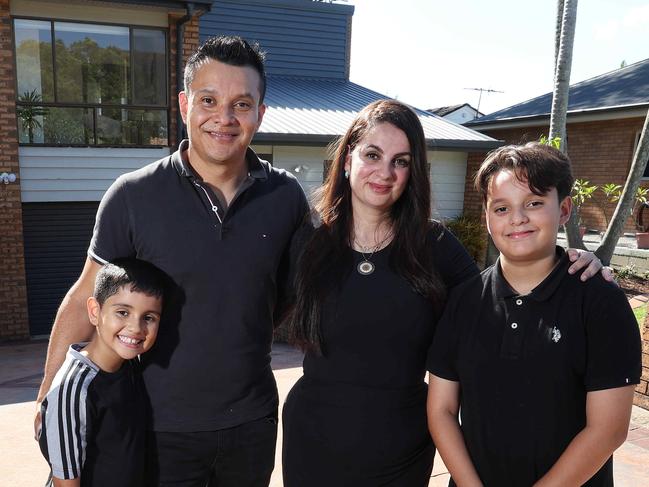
(514, 326)
(519, 302)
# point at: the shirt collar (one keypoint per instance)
(544, 291)
(180, 162)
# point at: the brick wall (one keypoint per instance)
(13, 292)
(190, 44)
(601, 152)
(641, 396)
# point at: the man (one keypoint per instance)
(220, 222)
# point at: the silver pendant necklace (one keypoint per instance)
(366, 267)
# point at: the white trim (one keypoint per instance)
(97, 258)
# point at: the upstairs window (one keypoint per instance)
(90, 84)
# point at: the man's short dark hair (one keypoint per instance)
(232, 50)
(540, 166)
(138, 275)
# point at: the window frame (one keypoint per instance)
(94, 106)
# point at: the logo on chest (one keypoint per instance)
(555, 334)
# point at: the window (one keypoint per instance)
(635, 148)
(90, 84)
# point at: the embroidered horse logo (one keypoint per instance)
(556, 334)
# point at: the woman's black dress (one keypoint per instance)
(358, 415)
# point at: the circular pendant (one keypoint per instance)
(365, 268)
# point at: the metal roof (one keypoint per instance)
(624, 87)
(301, 110)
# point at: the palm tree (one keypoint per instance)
(29, 114)
(564, 41)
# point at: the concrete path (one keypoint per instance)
(21, 463)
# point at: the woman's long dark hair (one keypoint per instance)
(327, 257)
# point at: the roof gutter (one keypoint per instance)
(180, 37)
(324, 139)
(574, 116)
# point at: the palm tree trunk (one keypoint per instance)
(557, 33)
(558, 115)
(627, 199)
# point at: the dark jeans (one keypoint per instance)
(242, 456)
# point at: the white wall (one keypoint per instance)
(461, 115)
(76, 174)
(448, 173)
(309, 160)
(84, 174)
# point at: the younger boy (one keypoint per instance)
(540, 364)
(94, 415)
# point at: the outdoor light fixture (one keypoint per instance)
(298, 169)
(8, 177)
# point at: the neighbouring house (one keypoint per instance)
(605, 117)
(89, 92)
(461, 114)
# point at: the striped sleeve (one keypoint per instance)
(65, 419)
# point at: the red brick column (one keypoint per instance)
(190, 44)
(13, 290)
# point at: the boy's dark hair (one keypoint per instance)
(139, 275)
(232, 50)
(540, 166)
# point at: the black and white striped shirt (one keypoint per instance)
(94, 423)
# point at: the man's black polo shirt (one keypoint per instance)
(210, 367)
(525, 364)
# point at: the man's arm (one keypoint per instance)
(442, 408)
(71, 325)
(66, 483)
(607, 421)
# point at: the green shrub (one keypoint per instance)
(470, 233)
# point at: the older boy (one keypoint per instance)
(94, 415)
(541, 365)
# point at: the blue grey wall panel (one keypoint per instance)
(301, 38)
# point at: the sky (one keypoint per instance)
(426, 52)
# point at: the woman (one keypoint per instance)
(370, 286)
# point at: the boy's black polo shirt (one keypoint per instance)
(210, 366)
(525, 364)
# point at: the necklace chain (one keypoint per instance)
(372, 249)
(366, 267)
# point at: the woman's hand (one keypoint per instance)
(583, 259)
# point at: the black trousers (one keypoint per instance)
(242, 456)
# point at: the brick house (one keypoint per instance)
(88, 92)
(605, 116)
(76, 110)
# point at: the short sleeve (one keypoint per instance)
(442, 354)
(112, 235)
(65, 420)
(451, 259)
(613, 340)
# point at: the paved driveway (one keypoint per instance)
(21, 463)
